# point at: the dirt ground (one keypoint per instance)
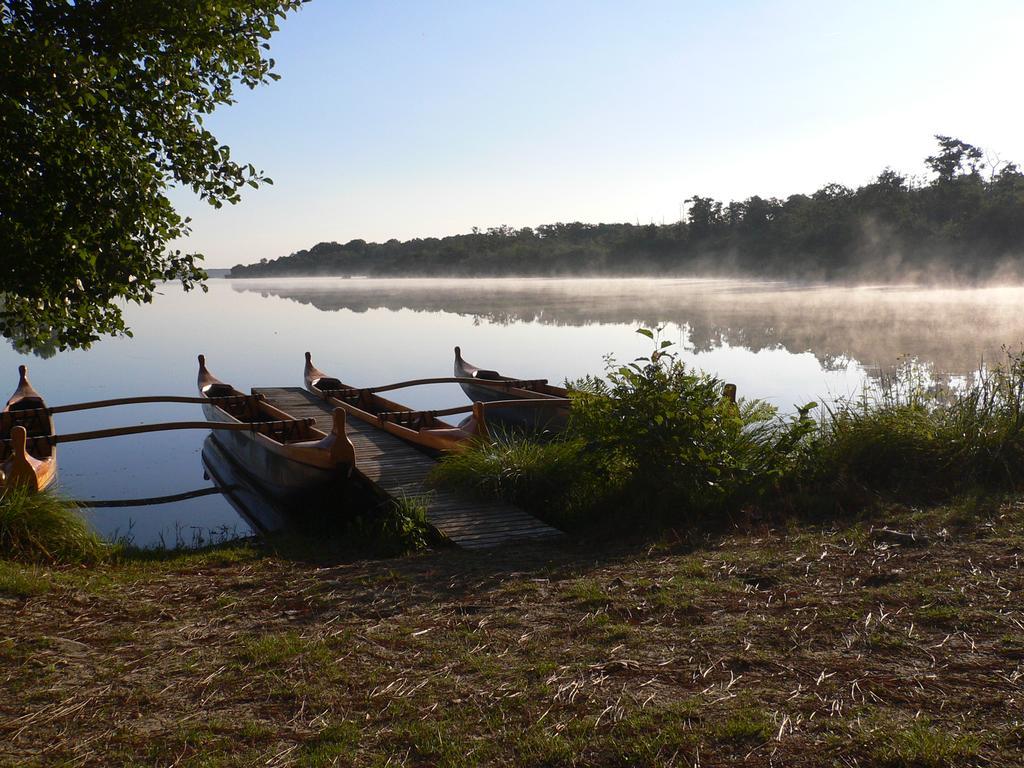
(803, 646)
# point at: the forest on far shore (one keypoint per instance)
(965, 221)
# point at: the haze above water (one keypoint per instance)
(785, 343)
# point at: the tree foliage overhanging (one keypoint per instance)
(101, 112)
(965, 222)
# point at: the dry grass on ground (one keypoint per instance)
(801, 648)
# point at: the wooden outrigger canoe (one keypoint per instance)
(30, 458)
(487, 386)
(288, 456)
(422, 428)
(246, 495)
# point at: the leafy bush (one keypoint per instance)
(651, 441)
(672, 444)
(40, 527)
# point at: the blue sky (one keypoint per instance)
(410, 119)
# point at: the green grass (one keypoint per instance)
(548, 477)
(509, 464)
(587, 592)
(335, 742)
(747, 726)
(941, 615)
(405, 527)
(270, 649)
(396, 527)
(925, 443)
(612, 657)
(922, 745)
(17, 580)
(42, 527)
(159, 558)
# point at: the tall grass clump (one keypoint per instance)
(396, 527)
(914, 440)
(41, 527)
(549, 475)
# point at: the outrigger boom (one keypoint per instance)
(261, 427)
(503, 384)
(144, 399)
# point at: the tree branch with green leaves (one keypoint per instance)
(101, 113)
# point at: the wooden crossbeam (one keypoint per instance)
(263, 427)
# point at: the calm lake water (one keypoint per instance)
(784, 343)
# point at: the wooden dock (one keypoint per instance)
(400, 470)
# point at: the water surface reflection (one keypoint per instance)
(785, 343)
(954, 330)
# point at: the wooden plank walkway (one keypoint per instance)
(399, 469)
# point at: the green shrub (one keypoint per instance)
(41, 527)
(651, 442)
(671, 444)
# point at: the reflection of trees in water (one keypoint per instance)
(953, 330)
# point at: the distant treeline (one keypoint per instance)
(966, 221)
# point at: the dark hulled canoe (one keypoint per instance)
(29, 459)
(422, 428)
(527, 414)
(289, 458)
(262, 511)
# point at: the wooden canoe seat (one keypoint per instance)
(348, 395)
(412, 419)
(328, 384)
(285, 431)
(34, 420)
(219, 390)
(488, 375)
(27, 404)
(39, 446)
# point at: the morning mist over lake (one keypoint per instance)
(459, 384)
